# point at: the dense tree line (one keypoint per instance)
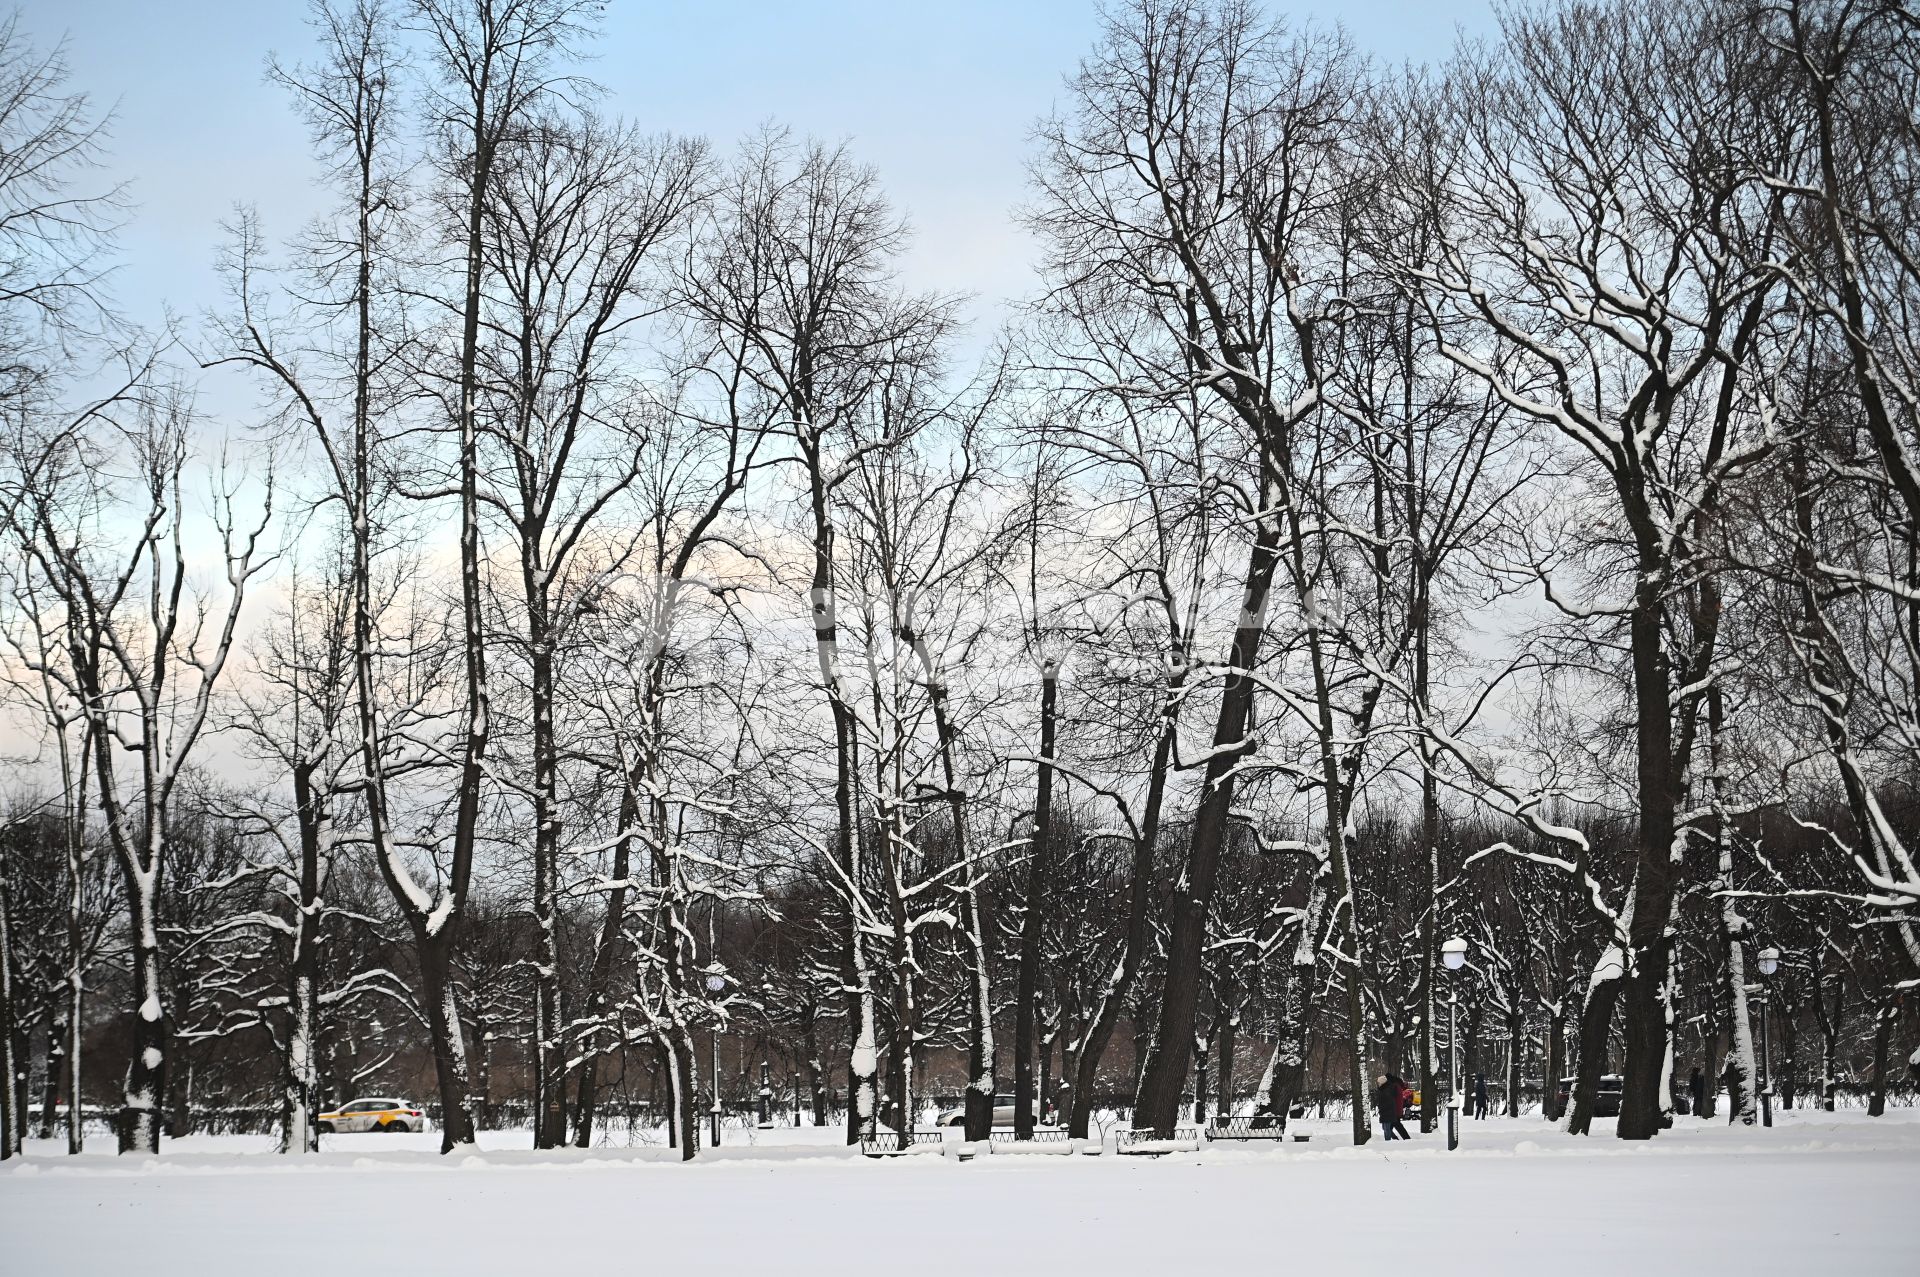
(636, 633)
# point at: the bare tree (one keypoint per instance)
(575, 214)
(146, 653)
(1594, 190)
(801, 284)
(493, 70)
(1224, 240)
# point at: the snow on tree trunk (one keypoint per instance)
(1740, 1073)
(1281, 1083)
(683, 1077)
(8, 1147)
(1883, 1022)
(1596, 1019)
(549, 1054)
(1740, 1070)
(1429, 925)
(1027, 980)
(447, 1039)
(146, 1083)
(55, 1072)
(906, 1020)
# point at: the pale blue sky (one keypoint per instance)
(938, 97)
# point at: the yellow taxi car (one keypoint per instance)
(373, 1115)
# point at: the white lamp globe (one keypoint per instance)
(716, 983)
(1769, 961)
(1454, 953)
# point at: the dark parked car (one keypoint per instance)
(1606, 1102)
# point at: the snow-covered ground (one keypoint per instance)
(1819, 1193)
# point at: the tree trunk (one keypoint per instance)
(1043, 1092)
(1429, 837)
(1829, 1020)
(1783, 1079)
(1733, 930)
(900, 1078)
(862, 1055)
(152, 1034)
(1644, 997)
(1882, 1039)
(1516, 1040)
(549, 1051)
(1556, 1062)
(8, 1115)
(600, 975)
(1027, 982)
(1285, 1071)
(19, 1088)
(301, 1133)
(74, 782)
(816, 1073)
(1113, 997)
(978, 1119)
(448, 1041)
(683, 1074)
(1596, 1018)
(1227, 1034)
(56, 1071)
(1157, 1107)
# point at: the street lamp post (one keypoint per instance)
(1454, 955)
(796, 1097)
(766, 1095)
(1769, 963)
(716, 985)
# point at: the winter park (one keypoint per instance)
(1103, 636)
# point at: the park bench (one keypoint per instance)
(1259, 1126)
(889, 1143)
(1146, 1144)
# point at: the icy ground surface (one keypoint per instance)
(1819, 1193)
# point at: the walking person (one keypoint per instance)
(1386, 1102)
(1697, 1092)
(1387, 1099)
(1479, 1095)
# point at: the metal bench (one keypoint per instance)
(890, 1143)
(1147, 1144)
(1050, 1135)
(1260, 1126)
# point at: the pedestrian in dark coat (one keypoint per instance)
(1697, 1092)
(1479, 1095)
(1386, 1102)
(1386, 1098)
